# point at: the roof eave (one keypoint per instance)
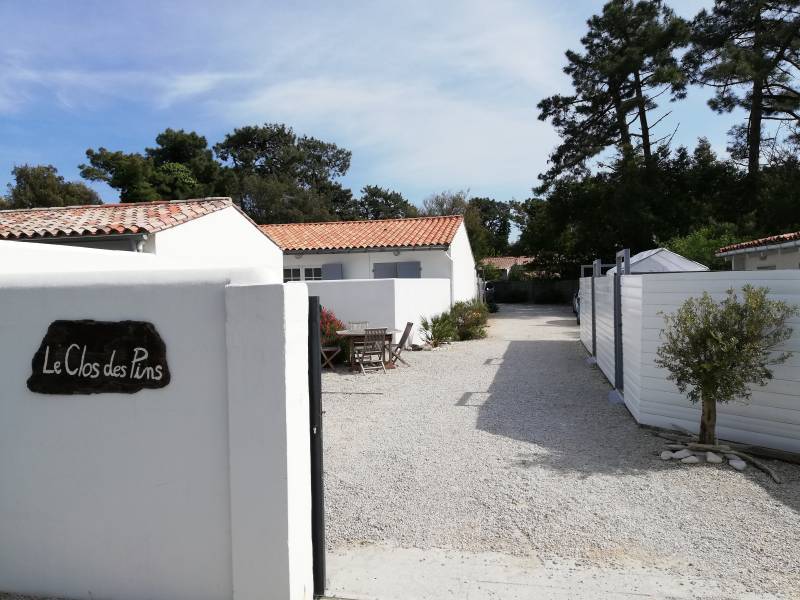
(369, 249)
(761, 248)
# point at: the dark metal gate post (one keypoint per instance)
(623, 268)
(317, 484)
(597, 267)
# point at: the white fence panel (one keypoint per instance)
(632, 341)
(772, 417)
(586, 312)
(604, 324)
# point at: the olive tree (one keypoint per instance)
(714, 351)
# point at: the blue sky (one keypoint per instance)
(428, 95)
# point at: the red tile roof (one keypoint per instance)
(363, 235)
(506, 262)
(767, 241)
(104, 219)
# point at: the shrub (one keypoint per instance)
(438, 330)
(328, 326)
(715, 350)
(470, 319)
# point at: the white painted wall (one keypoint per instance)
(604, 324)
(224, 236)
(389, 303)
(465, 279)
(771, 418)
(358, 265)
(585, 288)
(195, 491)
(783, 258)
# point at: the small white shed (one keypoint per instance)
(661, 260)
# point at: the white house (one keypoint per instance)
(423, 247)
(764, 254)
(212, 229)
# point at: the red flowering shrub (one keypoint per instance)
(328, 326)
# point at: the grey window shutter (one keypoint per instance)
(384, 270)
(409, 270)
(332, 271)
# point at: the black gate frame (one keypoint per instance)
(315, 423)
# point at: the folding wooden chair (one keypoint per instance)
(396, 349)
(328, 354)
(371, 354)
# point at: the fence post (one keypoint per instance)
(597, 268)
(623, 260)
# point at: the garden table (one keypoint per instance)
(353, 336)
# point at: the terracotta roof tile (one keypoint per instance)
(506, 262)
(767, 241)
(104, 219)
(354, 235)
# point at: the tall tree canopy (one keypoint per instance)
(38, 186)
(628, 61)
(749, 51)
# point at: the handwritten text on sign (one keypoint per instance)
(92, 357)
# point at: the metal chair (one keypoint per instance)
(396, 349)
(371, 354)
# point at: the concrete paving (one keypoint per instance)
(391, 573)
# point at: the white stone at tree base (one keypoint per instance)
(666, 455)
(732, 457)
(738, 464)
(680, 454)
(713, 458)
(690, 460)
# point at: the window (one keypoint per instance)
(312, 274)
(770, 268)
(291, 274)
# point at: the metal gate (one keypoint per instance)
(315, 413)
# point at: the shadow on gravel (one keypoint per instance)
(544, 394)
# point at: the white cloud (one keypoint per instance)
(413, 130)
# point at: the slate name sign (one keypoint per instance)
(95, 357)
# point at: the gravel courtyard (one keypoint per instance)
(509, 445)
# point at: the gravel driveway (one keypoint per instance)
(509, 445)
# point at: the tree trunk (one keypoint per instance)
(754, 131)
(622, 123)
(642, 117)
(708, 422)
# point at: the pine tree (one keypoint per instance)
(749, 50)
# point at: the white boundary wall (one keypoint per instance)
(199, 490)
(771, 418)
(389, 303)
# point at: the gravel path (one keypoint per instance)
(509, 445)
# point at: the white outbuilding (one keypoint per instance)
(212, 230)
(661, 260)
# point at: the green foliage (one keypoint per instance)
(702, 244)
(470, 319)
(488, 222)
(627, 62)
(491, 273)
(438, 330)
(748, 52)
(379, 203)
(714, 351)
(492, 306)
(37, 186)
(464, 321)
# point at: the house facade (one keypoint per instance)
(214, 229)
(416, 248)
(772, 253)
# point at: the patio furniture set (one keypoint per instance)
(369, 348)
